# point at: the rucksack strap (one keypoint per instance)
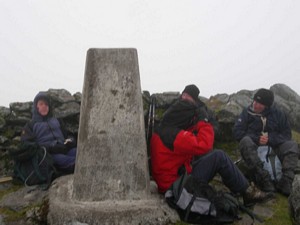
(36, 164)
(50, 174)
(178, 185)
(19, 173)
(264, 122)
(24, 152)
(235, 202)
(271, 157)
(188, 208)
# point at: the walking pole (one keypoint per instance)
(149, 121)
(153, 114)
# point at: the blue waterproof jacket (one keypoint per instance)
(44, 130)
(47, 131)
(250, 124)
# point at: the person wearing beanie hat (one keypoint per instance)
(47, 131)
(264, 96)
(191, 91)
(262, 124)
(183, 135)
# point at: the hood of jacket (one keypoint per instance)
(36, 116)
(180, 115)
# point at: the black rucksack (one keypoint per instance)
(199, 203)
(33, 165)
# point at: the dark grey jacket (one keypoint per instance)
(250, 124)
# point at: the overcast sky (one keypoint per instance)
(221, 46)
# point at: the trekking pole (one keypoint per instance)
(237, 161)
(153, 114)
(149, 121)
(150, 129)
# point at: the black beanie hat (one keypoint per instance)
(264, 96)
(192, 90)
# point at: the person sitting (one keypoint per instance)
(262, 124)
(185, 133)
(47, 131)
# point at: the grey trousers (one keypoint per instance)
(287, 152)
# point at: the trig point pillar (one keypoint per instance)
(110, 184)
(111, 159)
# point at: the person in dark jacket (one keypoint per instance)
(184, 134)
(47, 131)
(259, 124)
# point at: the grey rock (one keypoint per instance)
(4, 111)
(67, 109)
(3, 139)
(294, 200)
(19, 107)
(23, 198)
(2, 122)
(77, 97)
(285, 92)
(60, 96)
(165, 99)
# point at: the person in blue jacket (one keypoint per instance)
(47, 131)
(262, 123)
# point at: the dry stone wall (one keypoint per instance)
(66, 106)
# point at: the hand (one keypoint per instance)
(70, 143)
(68, 140)
(263, 139)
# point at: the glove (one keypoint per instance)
(58, 149)
(202, 114)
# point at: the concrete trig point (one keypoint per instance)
(111, 180)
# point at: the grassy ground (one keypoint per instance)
(280, 208)
(281, 214)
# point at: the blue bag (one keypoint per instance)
(271, 162)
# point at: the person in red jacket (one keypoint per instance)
(185, 134)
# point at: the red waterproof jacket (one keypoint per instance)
(166, 162)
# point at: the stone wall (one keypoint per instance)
(66, 106)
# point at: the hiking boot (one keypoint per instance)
(267, 186)
(253, 195)
(265, 183)
(284, 186)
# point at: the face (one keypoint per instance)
(187, 97)
(258, 107)
(42, 107)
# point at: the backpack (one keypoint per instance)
(33, 165)
(271, 162)
(267, 155)
(197, 202)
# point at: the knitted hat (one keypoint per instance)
(264, 96)
(192, 90)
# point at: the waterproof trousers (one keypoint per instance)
(287, 153)
(218, 162)
(65, 161)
